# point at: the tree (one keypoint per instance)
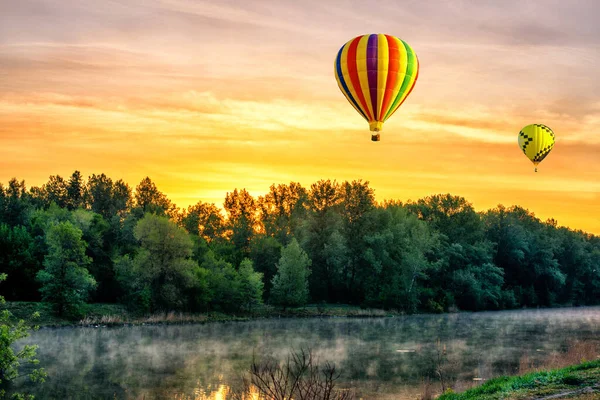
(242, 220)
(18, 260)
(11, 332)
(224, 283)
(163, 266)
(55, 191)
(280, 210)
(152, 200)
(290, 284)
(251, 285)
(452, 216)
(265, 251)
(358, 199)
(65, 280)
(396, 258)
(99, 195)
(75, 191)
(204, 220)
(16, 203)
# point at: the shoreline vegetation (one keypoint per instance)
(580, 381)
(118, 315)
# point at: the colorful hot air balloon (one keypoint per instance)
(376, 73)
(536, 141)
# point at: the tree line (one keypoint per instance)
(73, 241)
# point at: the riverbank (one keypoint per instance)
(117, 315)
(580, 381)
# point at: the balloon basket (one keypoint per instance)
(375, 138)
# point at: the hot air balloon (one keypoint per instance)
(376, 73)
(536, 141)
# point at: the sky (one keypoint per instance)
(208, 96)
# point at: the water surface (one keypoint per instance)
(383, 358)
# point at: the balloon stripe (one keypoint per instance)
(346, 74)
(410, 86)
(409, 73)
(382, 74)
(372, 56)
(342, 83)
(394, 57)
(354, 76)
(400, 75)
(361, 67)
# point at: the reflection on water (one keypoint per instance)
(382, 358)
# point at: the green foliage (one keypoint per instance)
(525, 386)
(396, 259)
(251, 285)
(290, 284)
(265, 251)
(17, 259)
(224, 283)
(162, 268)
(433, 254)
(65, 280)
(10, 361)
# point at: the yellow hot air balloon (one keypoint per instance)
(536, 141)
(376, 73)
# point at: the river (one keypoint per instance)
(382, 358)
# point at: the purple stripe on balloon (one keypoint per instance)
(372, 71)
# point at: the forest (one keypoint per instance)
(74, 241)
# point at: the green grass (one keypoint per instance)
(116, 314)
(542, 383)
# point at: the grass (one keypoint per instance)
(538, 384)
(116, 314)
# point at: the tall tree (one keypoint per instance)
(99, 195)
(56, 191)
(321, 235)
(242, 220)
(17, 258)
(163, 264)
(75, 191)
(65, 280)
(150, 199)
(251, 285)
(396, 259)
(203, 219)
(357, 200)
(16, 203)
(265, 252)
(453, 216)
(280, 210)
(290, 284)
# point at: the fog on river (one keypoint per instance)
(381, 358)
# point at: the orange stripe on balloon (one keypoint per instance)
(393, 67)
(352, 70)
(411, 88)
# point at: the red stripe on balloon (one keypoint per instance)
(353, 72)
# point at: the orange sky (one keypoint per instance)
(207, 96)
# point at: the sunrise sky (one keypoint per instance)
(208, 96)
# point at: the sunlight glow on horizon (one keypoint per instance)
(206, 98)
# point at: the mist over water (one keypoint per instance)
(379, 357)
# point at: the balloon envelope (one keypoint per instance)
(376, 73)
(536, 141)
